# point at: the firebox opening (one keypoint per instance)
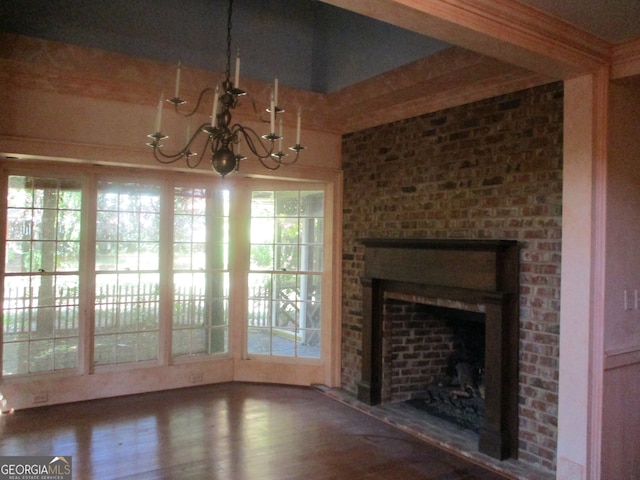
(437, 361)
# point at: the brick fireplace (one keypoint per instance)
(490, 169)
(478, 277)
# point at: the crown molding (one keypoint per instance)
(625, 59)
(447, 79)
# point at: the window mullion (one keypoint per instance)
(166, 272)
(239, 227)
(4, 187)
(87, 274)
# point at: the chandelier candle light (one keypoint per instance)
(221, 136)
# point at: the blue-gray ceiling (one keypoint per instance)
(306, 43)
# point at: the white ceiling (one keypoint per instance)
(612, 20)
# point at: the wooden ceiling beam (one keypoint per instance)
(504, 29)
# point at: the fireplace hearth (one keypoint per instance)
(479, 281)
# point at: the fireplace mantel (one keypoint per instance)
(480, 272)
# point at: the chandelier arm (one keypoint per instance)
(169, 158)
(289, 162)
(176, 105)
(248, 134)
(189, 163)
(197, 133)
(215, 143)
(256, 110)
(276, 166)
(206, 144)
(251, 136)
(276, 158)
(166, 158)
(193, 165)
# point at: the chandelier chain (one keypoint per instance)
(228, 72)
(222, 137)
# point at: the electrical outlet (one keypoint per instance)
(196, 377)
(40, 397)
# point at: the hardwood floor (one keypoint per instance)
(229, 431)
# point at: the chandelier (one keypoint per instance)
(223, 138)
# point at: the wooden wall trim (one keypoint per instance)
(28, 63)
(623, 358)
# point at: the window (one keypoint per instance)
(285, 273)
(41, 295)
(127, 295)
(200, 272)
(103, 271)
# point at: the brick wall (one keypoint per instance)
(487, 170)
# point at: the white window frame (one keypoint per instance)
(274, 332)
(174, 373)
